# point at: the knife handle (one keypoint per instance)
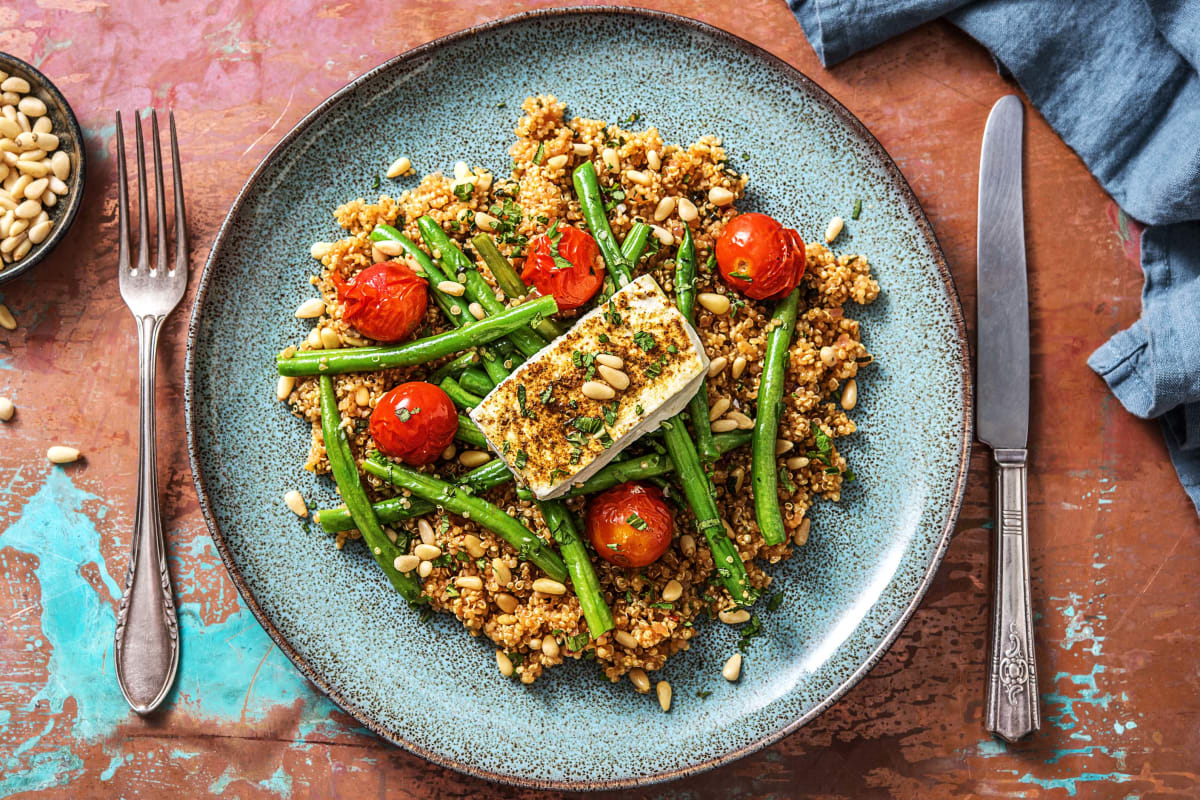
(1012, 692)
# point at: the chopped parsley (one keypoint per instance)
(824, 445)
(711, 264)
(857, 209)
(501, 104)
(704, 694)
(546, 395)
(637, 409)
(452, 591)
(645, 340)
(605, 440)
(463, 191)
(405, 414)
(848, 475)
(832, 471)
(577, 642)
(672, 349)
(655, 369)
(775, 602)
(632, 118)
(521, 460)
(555, 236)
(537, 157)
(462, 556)
(753, 628)
(588, 424)
(742, 276)
(375, 183)
(525, 412)
(613, 546)
(603, 338)
(636, 521)
(663, 606)
(611, 314)
(610, 414)
(785, 479)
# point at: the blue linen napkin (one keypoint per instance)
(1118, 80)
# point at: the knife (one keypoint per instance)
(1003, 418)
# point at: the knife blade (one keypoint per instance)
(1003, 304)
(1012, 705)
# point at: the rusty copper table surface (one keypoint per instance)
(1116, 544)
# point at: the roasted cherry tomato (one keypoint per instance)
(414, 422)
(759, 257)
(385, 302)
(630, 525)
(566, 263)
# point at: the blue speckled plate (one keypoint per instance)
(429, 686)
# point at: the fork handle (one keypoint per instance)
(147, 634)
(1012, 690)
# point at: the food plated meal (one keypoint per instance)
(582, 405)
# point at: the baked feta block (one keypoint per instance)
(623, 368)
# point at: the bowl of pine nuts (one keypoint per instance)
(41, 166)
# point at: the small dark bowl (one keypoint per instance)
(70, 138)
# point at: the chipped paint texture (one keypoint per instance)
(1116, 545)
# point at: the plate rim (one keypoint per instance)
(966, 435)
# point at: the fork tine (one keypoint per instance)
(160, 202)
(181, 237)
(143, 260)
(122, 202)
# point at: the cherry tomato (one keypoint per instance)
(759, 257)
(630, 525)
(414, 422)
(575, 276)
(385, 302)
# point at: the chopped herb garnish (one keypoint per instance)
(501, 104)
(405, 414)
(375, 183)
(613, 546)
(521, 460)
(711, 264)
(832, 471)
(605, 440)
(824, 443)
(628, 596)
(636, 521)
(672, 349)
(663, 606)
(462, 556)
(537, 157)
(775, 602)
(463, 191)
(655, 369)
(577, 642)
(785, 479)
(849, 475)
(452, 591)
(611, 313)
(742, 276)
(632, 118)
(704, 694)
(546, 394)
(857, 209)
(610, 414)
(555, 236)
(603, 338)
(588, 424)
(637, 409)
(645, 340)
(525, 412)
(753, 628)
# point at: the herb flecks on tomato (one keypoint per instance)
(385, 302)
(564, 262)
(759, 257)
(414, 422)
(630, 525)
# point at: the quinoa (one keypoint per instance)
(527, 202)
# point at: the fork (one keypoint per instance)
(147, 633)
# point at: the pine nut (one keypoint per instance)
(7, 321)
(34, 190)
(609, 360)
(801, 534)
(672, 591)
(716, 303)
(406, 563)
(11, 243)
(474, 546)
(507, 602)
(468, 582)
(474, 458)
(427, 552)
(687, 210)
(425, 532)
(319, 250)
(582, 149)
(549, 586)
(664, 209)
(639, 679)
(717, 365)
(609, 156)
(425, 569)
(556, 162)
(718, 409)
(311, 308)
(329, 339)
(61, 454)
(29, 209)
(550, 647)
(723, 426)
(782, 446)
(389, 247)
(362, 397)
(797, 462)
(15, 84)
(295, 501)
(45, 141)
(849, 393)
(739, 366)
(486, 222)
(734, 617)
(6, 409)
(598, 391)
(461, 171)
(501, 571)
(743, 422)
(687, 545)
(32, 167)
(60, 162)
(43, 125)
(733, 668)
(284, 387)
(22, 250)
(625, 639)
(451, 288)
(504, 663)
(835, 227)
(616, 378)
(9, 129)
(399, 167)
(638, 177)
(728, 530)
(18, 227)
(314, 339)
(720, 196)
(32, 107)
(664, 236)
(57, 186)
(50, 200)
(476, 311)
(828, 356)
(664, 695)
(653, 159)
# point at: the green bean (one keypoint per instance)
(452, 368)
(591, 204)
(476, 381)
(763, 464)
(635, 243)
(345, 475)
(458, 501)
(467, 433)
(458, 395)
(583, 575)
(397, 509)
(685, 298)
(419, 351)
(477, 288)
(510, 281)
